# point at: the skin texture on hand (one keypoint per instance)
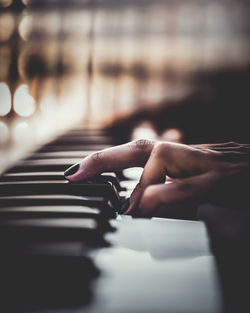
(176, 177)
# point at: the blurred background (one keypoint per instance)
(174, 70)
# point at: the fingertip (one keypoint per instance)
(125, 206)
(130, 210)
(71, 171)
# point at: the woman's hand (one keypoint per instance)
(176, 176)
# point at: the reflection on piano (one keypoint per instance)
(79, 76)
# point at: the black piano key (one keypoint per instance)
(107, 177)
(57, 248)
(59, 200)
(44, 165)
(81, 140)
(32, 176)
(50, 211)
(60, 155)
(56, 212)
(70, 147)
(46, 176)
(58, 187)
(51, 229)
(106, 190)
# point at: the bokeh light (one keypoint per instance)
(5, 99)
(25, 27)
(172, 134)
(144, 130)
(5, 55)
(7, 26)
(4, 133)
(24, 103)
(5, 3)
(22, 132)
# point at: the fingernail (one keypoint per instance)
(125, 205)
(72, 170)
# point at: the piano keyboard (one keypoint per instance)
(56, 237)
(48, 222)
(37, 202)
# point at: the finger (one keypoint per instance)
(166, 159)
(154, 173)
(175, 198)
(231, 152)
(132, 154)
(224, 147)
(217, 146)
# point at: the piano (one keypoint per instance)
(73, 74)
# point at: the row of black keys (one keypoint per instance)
(38, 204)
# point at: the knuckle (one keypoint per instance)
(97, 156)
(161, 149)
(141, 144)
(232, 144)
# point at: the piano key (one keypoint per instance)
(56, 212)
(51, 229)
(59, 200)
(133, 173)
(58, 147)
(129, 184)
(106, 190)
(81, 139)
(53, 199)
(125, 194)
(50, 210)
(69, 248)
(43, 165)
(51, 223)
(32, 176)
(60, 155)
(107, 177)
(46, 176)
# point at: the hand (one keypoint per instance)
(176, 177)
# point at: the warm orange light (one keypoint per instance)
(24, 103)
(25, 27)
(144, 130)
(5, 99)
(172, 134)
(7, 25)
(5, 3)
(5, 54)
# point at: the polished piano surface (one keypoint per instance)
(79, 76)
